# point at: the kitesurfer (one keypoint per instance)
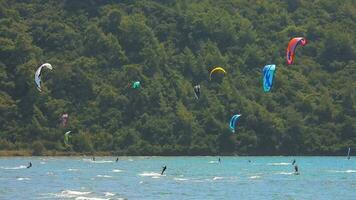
(29, 165)
(296, 171)
(163, 169)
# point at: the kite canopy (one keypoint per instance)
(64, 120)
(217, 69)
(268, 75)
(136, 85)
(233, 122)
(66, 138)
(39, 73)
(292, 45)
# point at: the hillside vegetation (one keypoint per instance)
(98, 48)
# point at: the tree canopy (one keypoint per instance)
(99, 48)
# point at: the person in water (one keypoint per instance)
(163, 169)
(293, 162)
(93, 158)
(296, 171)
(219, 160)
(117, 159)
(29, 165)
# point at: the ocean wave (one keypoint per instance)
(254, 177)
(213, 162)
(72, 170)
(279, 164)
(117, 170)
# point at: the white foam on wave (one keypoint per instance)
(42, 163)
(279, 164)
(103, 161)
(23, 179)
(343, 171)
(213, 162)
(285, 173)
(50, 173)
(103, 176)
(180, 179)
(73, 170)
(117, 170)
(218, 178)
(151, 174)
(89, 198)
(70, 194)
(18, 167)
(109, 194)
(254, 177)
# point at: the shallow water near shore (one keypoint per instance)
(185, 178)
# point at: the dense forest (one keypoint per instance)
(98, 48)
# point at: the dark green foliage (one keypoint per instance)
(98, 48)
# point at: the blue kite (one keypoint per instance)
(233, 122)
(268, 74)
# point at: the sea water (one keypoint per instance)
(185, 178)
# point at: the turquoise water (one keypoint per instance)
(185, 178)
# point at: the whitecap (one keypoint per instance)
(42, 163)
(23, 179)
(73, 170)
(279, 164)
(150, 174)
(180, 179)
(103, 176)
(70, 194)
(255, 177)
(213, 162)
(285, 173)
(116, 170)
(343, 171)
(109, 194)
(102, 161)
(89, 198)
(18, 167)
(218, 178)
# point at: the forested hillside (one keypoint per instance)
(98, 48)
